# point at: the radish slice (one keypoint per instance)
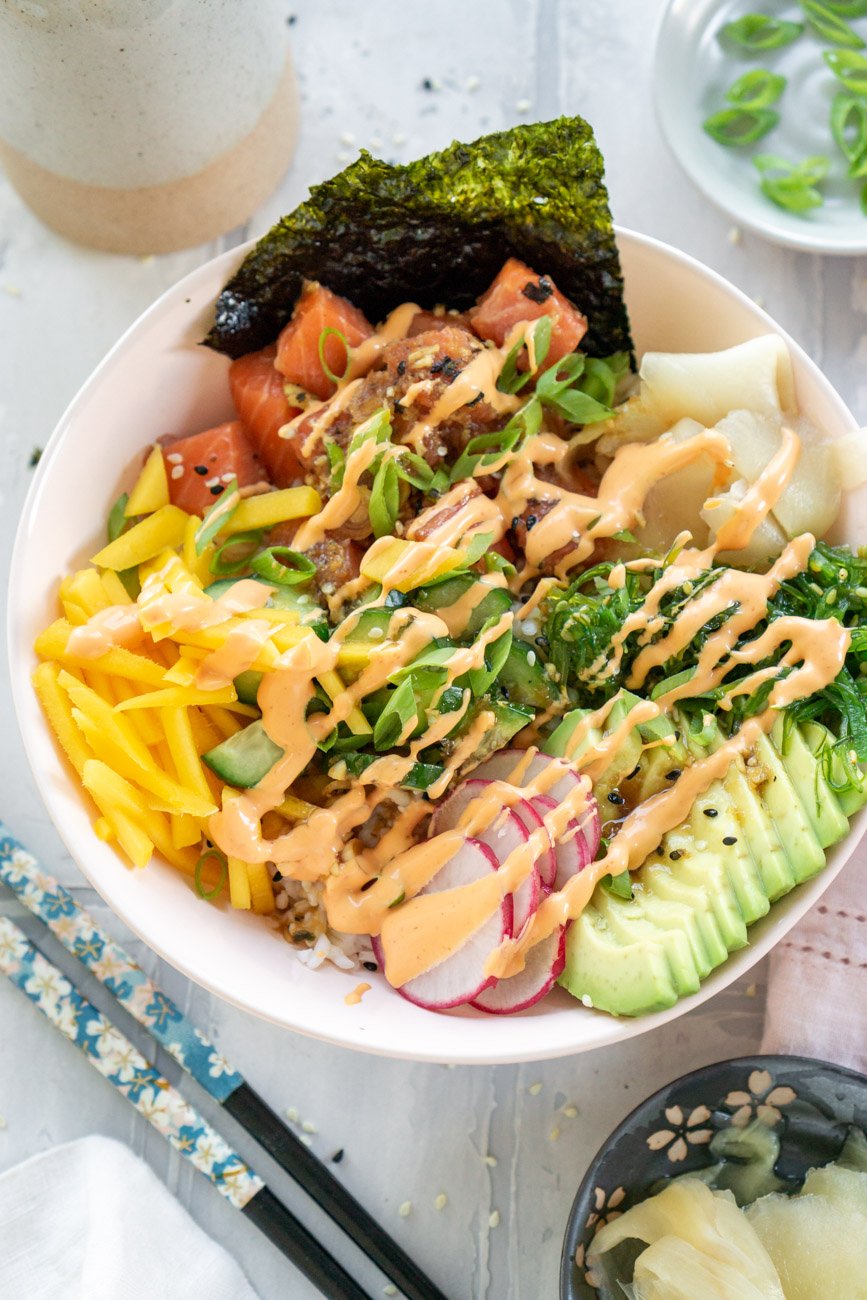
(460, 977)
(570, 855)
(500, 766)
(546, 863)
(507, 832)
(545, 962)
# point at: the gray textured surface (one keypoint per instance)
(409, 1131)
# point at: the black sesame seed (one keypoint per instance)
(542, 642)
(401, 367)
(369, 883)
(614, 797)
(515, 521)
(673, 774)
(277, 877)
(710, 812)
(675, 854)
(370, 965)
(531, 522)
(730, 839)
(218, 489)
(200, 469)
(478, 397)
(634, 772)
(337, 1157)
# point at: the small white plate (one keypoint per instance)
(693, 71)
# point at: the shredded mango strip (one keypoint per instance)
(182, 747)
(58, 711)
(272, 508)
(239, 885)
(261, 889)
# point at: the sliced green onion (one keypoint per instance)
(849, 68)
(414, 470)
(487, 448)
(197, 874)
(738, 126)
(602, 375)
(283, 566)
(477, 546)
(792, 186)
(377, 427)
(760, 32)
(562, 387)
(234, 556)
(511, 379)
(847, 8)
(624, 536)
(117, 520)
(497, 563)
(756, 89)
(336, 463)
(384, 504)
(329, 331)
(849, 125)
(864, 199)
(830, 26)
(217, 515)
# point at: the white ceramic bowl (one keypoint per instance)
(157, 378)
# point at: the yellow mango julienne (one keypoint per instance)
(159, 531)
(151, 491)
(401, 565)
(270, 508)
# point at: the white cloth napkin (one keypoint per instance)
(90, 1221)
(817, 990)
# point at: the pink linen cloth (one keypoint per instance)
(817, 986)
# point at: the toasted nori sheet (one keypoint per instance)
(437, 231)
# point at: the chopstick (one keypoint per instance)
(117, 1060)
(81, 935)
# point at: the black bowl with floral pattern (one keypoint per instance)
(810, 1104)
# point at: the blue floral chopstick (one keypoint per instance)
(117, 1059)
(121, 975)
(115, 969)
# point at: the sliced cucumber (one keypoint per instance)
(247, 685)
(244, 758)
(440, 595)
(524, 679)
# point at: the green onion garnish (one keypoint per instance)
(756, 89)
(323, 337)
(792, 185)
(117, 520)
(384, 504)
(760, 32)
(283, 566)
(831, 26)
(233, 557)
(217, 515)
(738, 126)
(197, 874)
(849, 68)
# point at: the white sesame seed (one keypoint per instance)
(491, 1161)
(530, 629)
(398, 138)
(309, 1127)
(553, 1135)
(441, 1201)
(177, 471)
(212, 482)
(534, 1089)
(523, 106)
(494, 1219)
(735, 235)
(346, 137)
(174, 458)
(305, 1137)
(292, 1115)
(570, 1111)
(701, 845)
(227, 478)
(391, 1289)
(376, 633)
(405, 1209)
(472, 83)
(586, 1000)
(531, 658)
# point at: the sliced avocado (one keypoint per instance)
(820, 803)
(672, 914)
(622, 978)
(658, 879)
(440, 595)
(717, 833)
(509, 719)
(770, 780)
(823, 746)
(627, 920)
(561, 742)
(244, 758)
(523, 677)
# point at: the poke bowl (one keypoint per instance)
(158, 378)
